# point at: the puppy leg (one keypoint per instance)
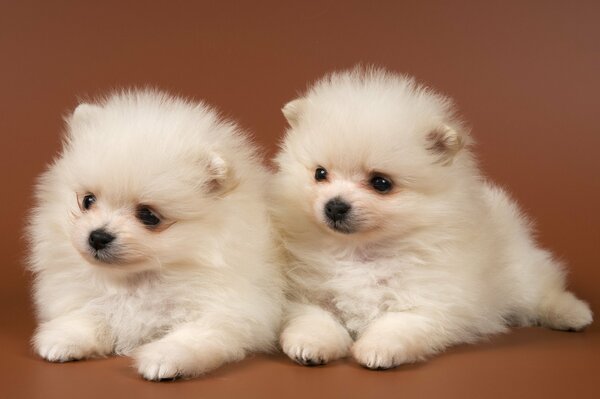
(398, 338)
(312, 336)
(193, 349)
(71, 337)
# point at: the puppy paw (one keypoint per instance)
(170, 359)
(62, 345)
(315, 347)
(161, 361)
(379, 354)
(61, 351)
(566, 312)
(307, 354)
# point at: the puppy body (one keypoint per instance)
(442, 257)
(196, 290)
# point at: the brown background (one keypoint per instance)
(525, 75)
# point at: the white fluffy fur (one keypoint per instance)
(444, 258)
(203, 288)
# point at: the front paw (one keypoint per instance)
(379, 353)
(160, 361)
(307, 354)
(63, 345)
(168, 359)
(314, 349)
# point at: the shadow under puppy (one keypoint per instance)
(150, 237)
(397, 246)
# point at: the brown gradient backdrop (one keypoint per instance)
(525, 75)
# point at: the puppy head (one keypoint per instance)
(370, 154)
(143, 177)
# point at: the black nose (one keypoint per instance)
(336, 209)
(99, 239)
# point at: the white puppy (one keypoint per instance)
(398, 247)
(151, 237)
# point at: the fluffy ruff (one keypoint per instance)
(183, 274)
(423, 254)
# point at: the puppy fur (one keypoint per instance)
(184, 296)
(444, 257)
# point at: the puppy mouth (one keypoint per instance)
(104, 257)
(341, 226)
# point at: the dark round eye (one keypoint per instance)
(320, 174)
(147, 217)
(381, 184)
(88, 201)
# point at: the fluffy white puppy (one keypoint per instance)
(150, 236)
(397, 246)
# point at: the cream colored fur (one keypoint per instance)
(444, 258)
(201, 289)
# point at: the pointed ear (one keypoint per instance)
(85, 111)
(221, 177)
(444, 142)
(293, 111)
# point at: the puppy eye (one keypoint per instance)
(146, 216)
(320, 174)
(381, 184)
(88, 201)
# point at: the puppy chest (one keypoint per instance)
(136, 318)
(360, 293)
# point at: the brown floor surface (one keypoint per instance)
(526, 363)
(524, 74)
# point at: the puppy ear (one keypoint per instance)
(444, 142)
(293, 111)
(85, 112)
(221, 178)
